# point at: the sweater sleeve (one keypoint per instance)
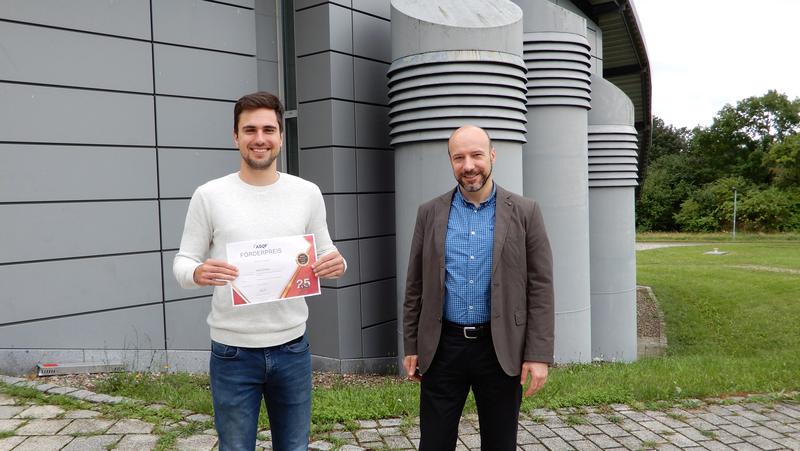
(195, 242)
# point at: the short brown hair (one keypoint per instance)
(254, 101)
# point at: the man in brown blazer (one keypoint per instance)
(478, 309)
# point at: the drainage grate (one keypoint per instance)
(52, 369)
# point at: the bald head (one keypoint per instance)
(471, 134)
(472, 158)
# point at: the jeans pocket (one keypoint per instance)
(297, 347)
(222, 351)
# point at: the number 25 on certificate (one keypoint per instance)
(303, 283)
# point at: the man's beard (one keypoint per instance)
(476, 186)
(260, 165)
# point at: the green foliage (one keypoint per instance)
(667, 140)
(670, 180)
(740, 136)
(710, 209)
(783, 161)
(756, 141)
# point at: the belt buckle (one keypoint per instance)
(470, 328)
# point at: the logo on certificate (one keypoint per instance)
(302, 259)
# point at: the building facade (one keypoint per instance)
(112, 113)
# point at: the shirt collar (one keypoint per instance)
(489, 201)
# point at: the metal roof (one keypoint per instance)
(625, 62)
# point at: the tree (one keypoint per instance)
(670, 180)
(667, 140)
(740, 137)
(783, 161)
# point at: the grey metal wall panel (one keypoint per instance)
(342, 210)
(327, 123)
(133, 328)
(266, 7)
(173, 218)
(37, 173)
(24, 109)
(194, 123)
(204, 24)
(129, 18)
(174, 291)
(334, 323)
(370, 81)
(372, 126)
(332, 169)
(377, 258)
(349, 250)
(372, 37)
(375, 214)
(203, 73)
(46, 231)
(376, 7)
(243, 3)
(380, 340)
(325, 27)
(375, 170)
(323, 76)
(266, 35)
(349, 303)
(181, 171)
(301, 4)
(186, 324)
(267, 76)
(45, 55)
(48, 289)
(378, 303)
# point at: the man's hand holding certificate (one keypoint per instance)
(273, 269)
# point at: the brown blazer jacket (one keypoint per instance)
(522, 315)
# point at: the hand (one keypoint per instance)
(538, 373)
(410, 364)
(214, 272)
(329, 266)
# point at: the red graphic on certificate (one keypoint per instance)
(273, 269)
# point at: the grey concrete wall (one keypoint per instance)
(343, 54)
(108, 121)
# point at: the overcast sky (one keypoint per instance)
(707, 53)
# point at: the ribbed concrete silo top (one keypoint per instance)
(422, 26)
(544, 16)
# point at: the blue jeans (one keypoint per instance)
(240, 377)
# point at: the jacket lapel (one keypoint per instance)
(441, 216)
(502, 218)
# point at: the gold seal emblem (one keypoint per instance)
(302, 259)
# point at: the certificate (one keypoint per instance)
(273, 269)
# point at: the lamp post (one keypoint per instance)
(734, 213)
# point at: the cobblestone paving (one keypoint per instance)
(735, 424)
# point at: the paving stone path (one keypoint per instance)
(732, 424)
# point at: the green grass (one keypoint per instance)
(715, 237)
(732, 325)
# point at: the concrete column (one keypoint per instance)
(556, 54)
(612, 180)
(454, 62)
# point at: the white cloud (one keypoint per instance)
(707, 53)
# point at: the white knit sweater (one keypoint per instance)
(228, 210)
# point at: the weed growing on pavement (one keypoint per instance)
(6, 434)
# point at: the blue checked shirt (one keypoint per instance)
(468, 260)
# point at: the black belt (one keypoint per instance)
(468, 331)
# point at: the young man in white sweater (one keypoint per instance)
(257, 350)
